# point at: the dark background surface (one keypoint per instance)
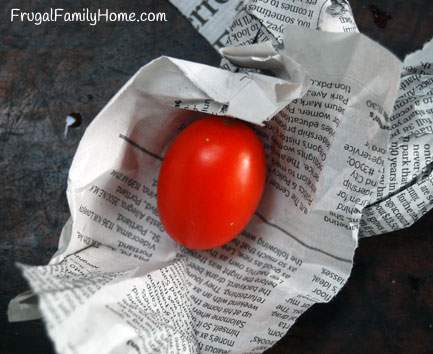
(49, 71)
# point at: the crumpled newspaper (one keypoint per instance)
(118, 284)
(403, 192)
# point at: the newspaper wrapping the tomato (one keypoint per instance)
(404, 192)
(119, 284)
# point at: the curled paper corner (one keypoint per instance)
(260, 51)
(24, 307)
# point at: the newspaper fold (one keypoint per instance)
(405, 190)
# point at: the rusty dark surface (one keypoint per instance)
(52, 70)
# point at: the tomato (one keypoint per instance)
(211, 182)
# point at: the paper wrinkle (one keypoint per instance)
(208, 81)
(263, 56)
(124, 286)
(403, 194)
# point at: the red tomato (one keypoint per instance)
(211, 182)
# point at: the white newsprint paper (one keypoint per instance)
(323, 107)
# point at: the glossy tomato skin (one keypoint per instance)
(211, 182)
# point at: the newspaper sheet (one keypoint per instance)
(119, 284)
